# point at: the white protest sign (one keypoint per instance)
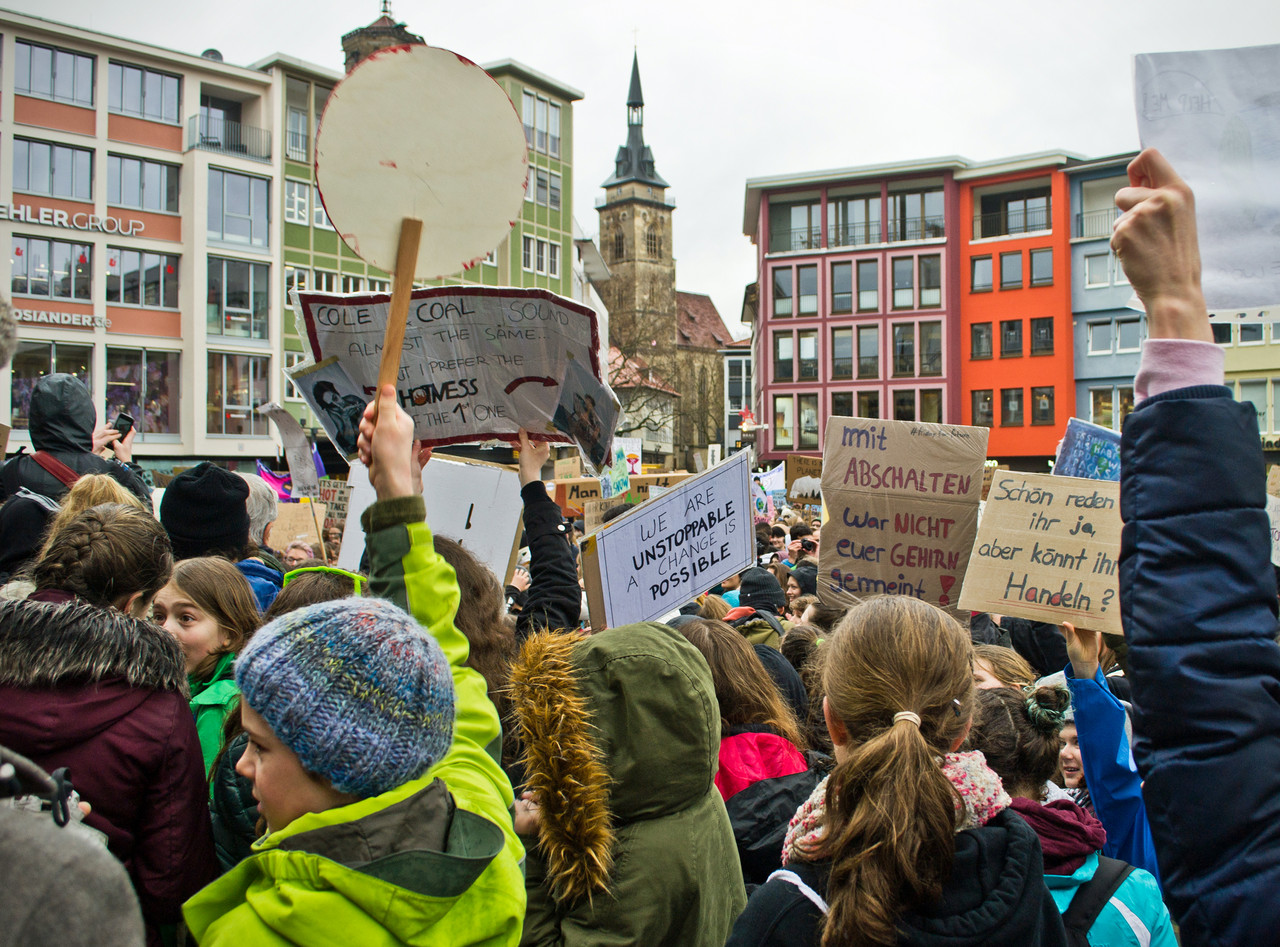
(632, 449)
(304, 481)
(1212, 113)
(477, 363)
(667, 551)
(417, 131)
(1273, 516)
(475, 503)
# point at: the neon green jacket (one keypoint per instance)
(404, 867)
(211, 702)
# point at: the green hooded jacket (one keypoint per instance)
(211, 702)
(625, 722)
(418, 864)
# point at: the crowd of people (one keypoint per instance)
(207, 740)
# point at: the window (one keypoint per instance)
(553, 131)
(739, 384)
(529, 114)
(239, 298)
(541, 124)
(931, 348)
(540, 256)
(853, 221)
(1042, 267)
(1042, 405)
(137, 278)
(146, 185)
(379, 285)
(808, 422)
(239, 208)
(930, 281)
(653, 244)
(1013, 212)
(807, 277)
(981, 406)
(319, 218)
(841, 354)
(151, 95)
(1011, 407)
(295, 277)
(980, 340)
(33, 360)
(1117, 272)
(904, 294)
(1011, 271)
(51, 268)
(292, 360)
(297, 202)
(145, 384)
(1095, 269)
(782, 291)
(868, 351)
(1250, 333)
(868, 285)
(904, 405)
(784, 434)
(53, 73)
(619, 246)
(808, 341)
(541, 192)
(491, 258)
(783, 356)
(1100, 335)
(553, 192)
(1129, 335)
(842, 404)
(55, 170)
(352, 284)
(916, 215)
(553, 259)
(904, 350)
(980, 274)
(931, 405)
(1110, 406)
(868, 404)
(526, 257)
(1010, 338)
(1221, 332)
(841, 287)
(795, 226)
(324, 281)
(237, 386)
(541, 128)
(1042, 336)
(296, 138)
(1255, 393)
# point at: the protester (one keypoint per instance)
(907, 841)
(208, 606)
(803, 580)
(762, 600)
(994, 666)
(66, 441)
(263, 506)
(296, 553)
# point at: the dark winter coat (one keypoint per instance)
(1198, 601)
(554, 601)
(761, 813)
(62, 423)
(232, 806)
(106, 695)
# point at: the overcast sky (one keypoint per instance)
(747, 89)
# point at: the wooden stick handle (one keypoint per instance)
(406, 261)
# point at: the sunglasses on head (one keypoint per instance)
(358, 579)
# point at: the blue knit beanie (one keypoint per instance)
(356, 688)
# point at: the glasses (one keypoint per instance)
(358, 579)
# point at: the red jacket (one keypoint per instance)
(750, 756)
(105, 695)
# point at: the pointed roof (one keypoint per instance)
(698, 323)
(634, 161)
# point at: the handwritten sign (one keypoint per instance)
(1088, 450)
(615, 481)
(298, 522)
(1211, 113)
(663, 553)
(593, 511)
(568, 468)
(570, 495)
(334, 494)
(804, 480)
(477, 363)
(902, 508)
(1048, 549)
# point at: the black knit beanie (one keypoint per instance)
(807, 578)
(760, 590)
(204, 512)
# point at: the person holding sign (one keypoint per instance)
(1197, 590)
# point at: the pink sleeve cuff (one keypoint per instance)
(1168, 364)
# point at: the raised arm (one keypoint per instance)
(554, 601)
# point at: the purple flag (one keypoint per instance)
(279, 482)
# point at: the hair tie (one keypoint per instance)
(818, 641)
(907, 715)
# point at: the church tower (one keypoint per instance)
(380, 34)
(636, 240)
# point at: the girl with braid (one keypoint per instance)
(86, 684)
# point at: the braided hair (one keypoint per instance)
(105, 554)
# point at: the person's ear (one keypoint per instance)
(964, 735)
(266, 534)
(135, 605)
(835, 726)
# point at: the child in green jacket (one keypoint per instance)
(374, 755)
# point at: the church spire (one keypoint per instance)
(635, 98)
(634, 161)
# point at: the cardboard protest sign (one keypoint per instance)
(593, 511)
(477, 363)
(568, 468)
(1047, 550)
(1273, 515)
(5, 431)
(1088, 450)
(663, 553)
(571, 494)
(804, 480)
(299, 522)
(632, 450)
(334, 494)
(297, 450)
(476, 503)
(1212, 114)
(1273, 480)
(615, 481)
(902, 503)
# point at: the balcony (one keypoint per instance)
(1095, 223)
(854, 235)
(1012, 221)
(802, 238)
(228, 138)
(907, 229)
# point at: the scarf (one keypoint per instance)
(981, 798)
(1068, 834)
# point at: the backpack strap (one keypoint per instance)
(1092, 896)
(791, 878)
(56, 468)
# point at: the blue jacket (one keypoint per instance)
(1198, 602)
(1115, 788)
(264, 580)
(1135, 915)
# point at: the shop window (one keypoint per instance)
(32, 361)
(146, 385)
(237, 387)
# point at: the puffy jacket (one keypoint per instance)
(758, 627)
(232, 806)
(265, 581)
(1198, 603)
(761, 812)
(624, 726)
(211, 702)
(750, 754)
(91, 689)
(1134, 917)
(62, 422)
(433, 861)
